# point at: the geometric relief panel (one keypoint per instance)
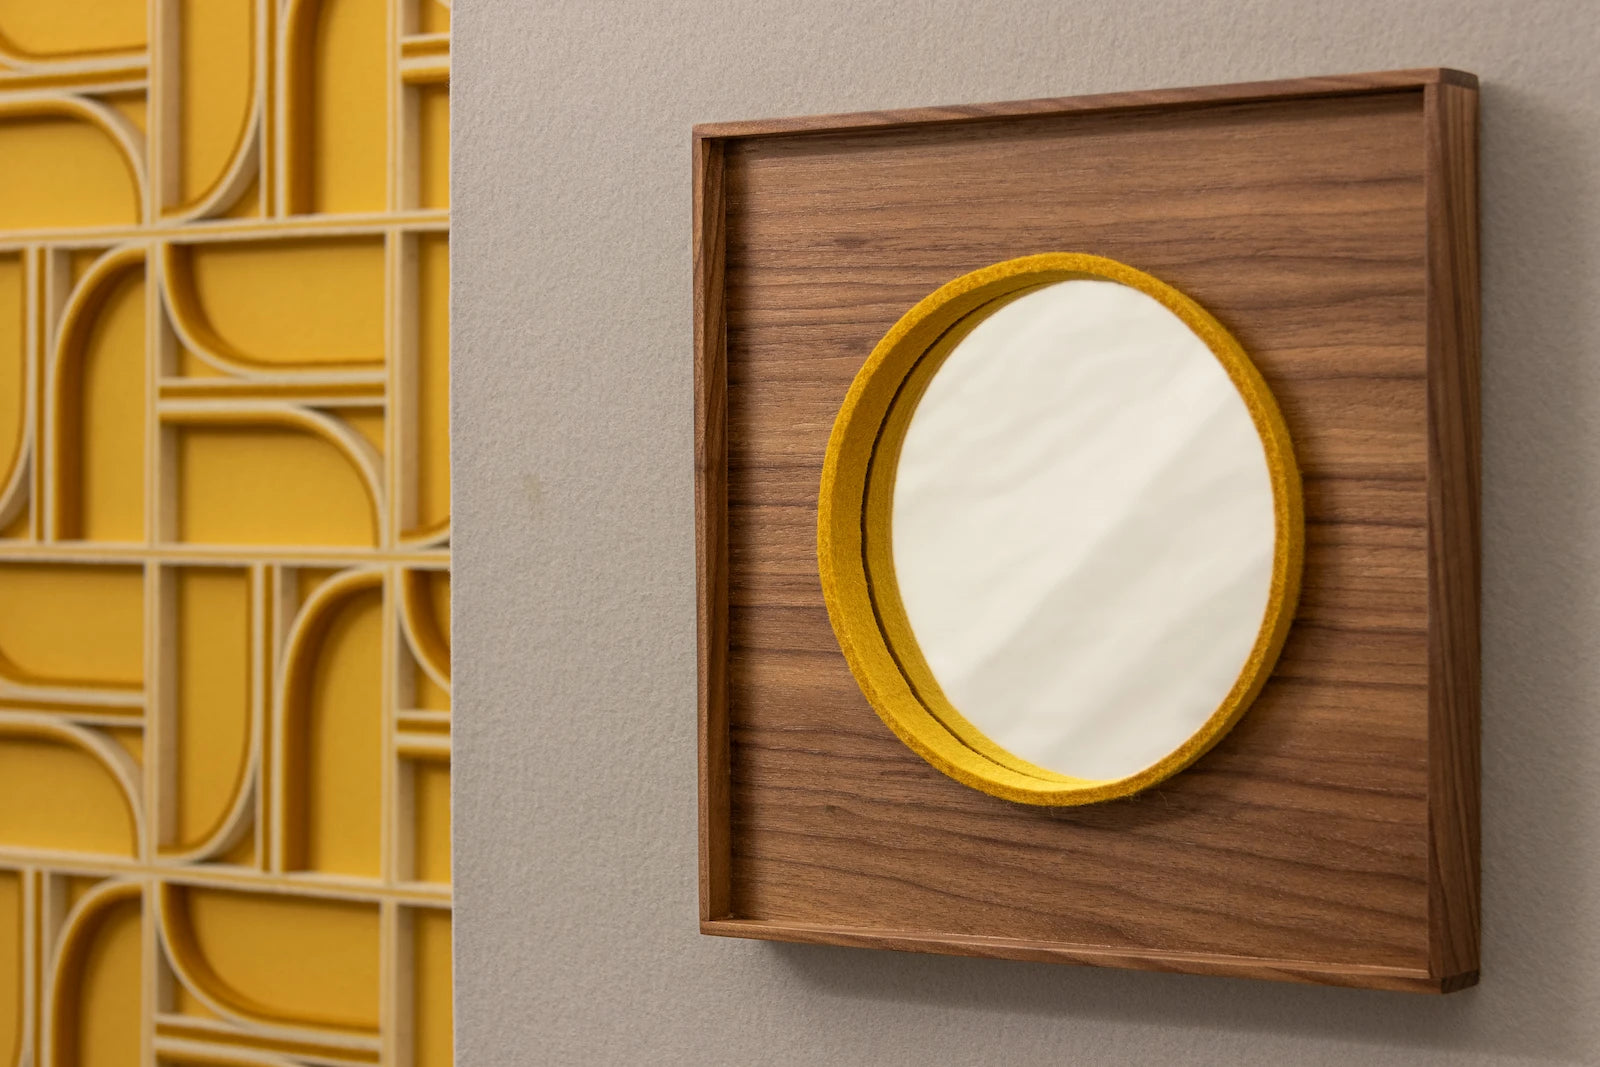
(224, 532)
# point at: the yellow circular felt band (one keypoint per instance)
(856, 563)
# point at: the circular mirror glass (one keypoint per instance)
(1059, 529)
(1083, 529)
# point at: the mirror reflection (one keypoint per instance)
(1082, 528)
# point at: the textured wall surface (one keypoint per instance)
(574, 613)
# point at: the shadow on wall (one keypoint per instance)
(1541, 608)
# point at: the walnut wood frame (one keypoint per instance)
(1333, 837)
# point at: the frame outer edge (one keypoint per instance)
(711, 526)
(1383, 81)
(1306, 972)
(1450, 118)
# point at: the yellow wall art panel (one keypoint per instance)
(224, 533)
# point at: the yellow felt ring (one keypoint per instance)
(856, 566)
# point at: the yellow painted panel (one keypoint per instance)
(343, 730)
(433, 381)
(13, 366)
(242, 853)
(103, 419)
(269, 485)
(75, 887)
(71, 624)
(439, 601)
(131, 106)
(433, 148)
(247, 206)
(186, 1003)
(307, 579)
(280, 355)
(192, 366)
(433, 16)
(280, 958)
(213, 699)
(348, 108)
(61, 170)
(55, 795)
(13, 973)
(129, 738)
(102, 1012)
(430, 783)
(427, 613)
(34, 30)
(433, 1018)
(428, 694)
(79, 261)
(216, 78)
(285, 304)
(368, 422)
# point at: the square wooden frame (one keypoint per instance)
(1331, 223)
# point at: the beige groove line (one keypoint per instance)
(131, 552)
(398, 341)
(109, 61)
(204, 230)
(264, 150)
(17, 489)
(161, 101)
(32, 963)
(190, 1030)
(303, 884)
(127, 79)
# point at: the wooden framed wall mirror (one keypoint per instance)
(1088, 535)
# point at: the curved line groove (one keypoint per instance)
(189, 966)
(77, 930)
(293, 79)
(194, 331)
(299, 658)
(121, 766)
(14, 55)
(422, 628)
(16, 487)
(77, 319)
(427, 536)
(230, 826)
(15, 490)
(123, 134)
(226, 187)
(362, 456)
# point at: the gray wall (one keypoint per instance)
(574, 606)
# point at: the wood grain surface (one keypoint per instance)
(1454, 534)
(711, 522)
(1329, 224)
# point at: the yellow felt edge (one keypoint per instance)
(842, 513)
(878, 550)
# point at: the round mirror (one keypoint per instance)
(1078, 530)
